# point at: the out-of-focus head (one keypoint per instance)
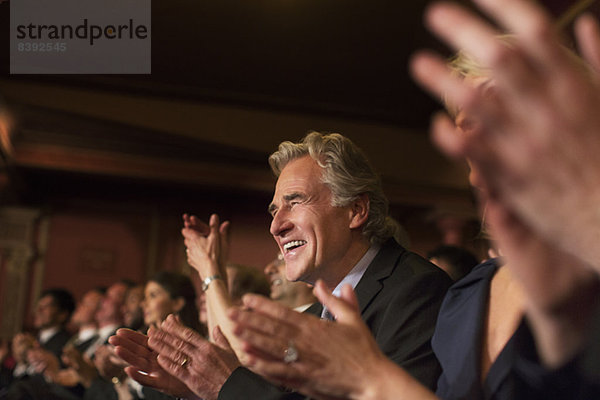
(53, 309)
(243, 279)
(290, 294)
(85, 312)
(170, 293)
(456, 261)
(133, 316)
(111, 307)
(323, 182)
(118, 290)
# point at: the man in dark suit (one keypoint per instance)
(330, 222)
(51, 313)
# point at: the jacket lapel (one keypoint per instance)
(380, 269)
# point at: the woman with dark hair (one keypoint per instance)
(170, 293)
(165, 293)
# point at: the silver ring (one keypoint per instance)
(290, 354)
(185, 362)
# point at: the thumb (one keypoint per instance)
(344, 309)
(220, 339)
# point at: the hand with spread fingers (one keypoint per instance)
(206, 251)
(143, 367)
(320, 358)
(206, 244)
(539, 138)
(182, 352)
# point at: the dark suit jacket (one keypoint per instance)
(399, 297)
(56, 343)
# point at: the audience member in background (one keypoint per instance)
(456, 261)
(133, 315)
(108, 366)
(242, 279)
(84, 319)
(51, 314)
(165, 293)
(66, 382)
(170, 293)
(295, 295)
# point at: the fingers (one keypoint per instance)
(446, 137)
(176, 329)
(171, 351)
(176, 346)
(273, 310)
(214, 223)
(141, 377)
(263, 346)
(134, 352)
(341, 310)
(220, 339)
(130, 335)
(431, 71)
(224, 229)
(462, 29)
(277, 372)
(524, 18)
(193, 222)
(587, 32)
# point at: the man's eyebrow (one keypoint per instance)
(287, 198)
(293, 196)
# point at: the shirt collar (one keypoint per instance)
(356, 273)
(86, 334)
(47, 333)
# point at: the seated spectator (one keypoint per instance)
(242, 279)
(456, 261)
(294, 295)
(33, 355)
(330, 221)
(133, 315)
(165, 293)
(84, 318)
(51, 314)
(170, 293)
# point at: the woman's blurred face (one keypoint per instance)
(157, 304)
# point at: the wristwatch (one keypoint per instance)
(206, 282)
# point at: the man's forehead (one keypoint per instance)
(46, 300)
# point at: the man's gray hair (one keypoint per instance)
(348, 174)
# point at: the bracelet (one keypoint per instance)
(206, 282)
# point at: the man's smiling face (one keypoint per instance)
(313, 235)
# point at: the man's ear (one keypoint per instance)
(359, 211)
